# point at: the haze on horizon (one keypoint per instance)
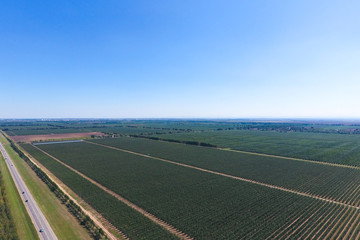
(181, 59)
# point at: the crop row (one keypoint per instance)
(203, 205)
(336, 183)
(324, 147)
(133, 224)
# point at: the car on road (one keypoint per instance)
(26, 200)
(41, 230)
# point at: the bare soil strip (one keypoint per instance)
(153, 218)
(303, 223)
(292, 223)
(233, 177)
(331, 220)
(265, 221)
(45, 137)
(339, 219)
(351, 228)
(316, 224)
(348, 222)
(358, 235)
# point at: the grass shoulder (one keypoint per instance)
(63, 223)
(24, 226)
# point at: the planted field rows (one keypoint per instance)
(203, 205)
(335, 183)
(324, 147)
(121, 216)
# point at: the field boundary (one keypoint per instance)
(148, 215)
(231, 176)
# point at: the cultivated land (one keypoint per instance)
(171, 193)
(63, 223)
(132, 223)
(149, 188)
(325, 147)
(336, 183)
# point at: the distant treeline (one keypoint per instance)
(168, 127)
(83, 218)
(7, 227)
(176, 141)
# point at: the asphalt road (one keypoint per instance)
(41, 224)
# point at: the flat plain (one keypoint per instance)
(195, 202)
(208, 192)
(317, 146)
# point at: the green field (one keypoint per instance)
(291, 199)
(326, 147)
(121, 216)
(331, 182)
(204, 205)
(319, 141)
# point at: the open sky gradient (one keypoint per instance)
(179, 58)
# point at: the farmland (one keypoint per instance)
(151, 189)
(203, 205)
(121, 216)
(325, 147)
(319, 179)
(334, 142)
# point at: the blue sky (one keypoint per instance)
(218, 59)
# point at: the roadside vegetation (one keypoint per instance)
(23, 225)
(7, 226)
(63, 223)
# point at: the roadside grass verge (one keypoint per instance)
(24, 226)
(63, 223)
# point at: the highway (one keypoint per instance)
(41, 224)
